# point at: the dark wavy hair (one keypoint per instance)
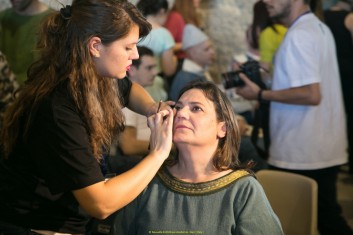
(64, 56)
(152, 7)
(226, 155)
(261, 20)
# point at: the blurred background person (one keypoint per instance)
(8, 86)
(316, 7)
(188, 11)
(200, 54)
(159, 40)
(263, 38)
(265, 35)
(18, 34)
(181, 13)
(175, 23)
(307, 120)
(340, 20)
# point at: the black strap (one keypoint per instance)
(261, 120)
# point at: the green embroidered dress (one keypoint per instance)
(232, 204)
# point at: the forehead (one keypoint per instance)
(205, 45)
(148, 60)
(131, 37)
(195, 95)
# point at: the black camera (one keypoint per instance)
(250, 68)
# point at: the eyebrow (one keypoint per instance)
(132, 44)
(192, 102)
(151, 66)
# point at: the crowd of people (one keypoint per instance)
(106, 87)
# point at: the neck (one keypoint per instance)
(194, 164)
(190, 58)
(298, 9)
(153, 20)
(34, 8)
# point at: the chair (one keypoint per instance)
(293, 198)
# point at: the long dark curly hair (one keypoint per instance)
(64, 56)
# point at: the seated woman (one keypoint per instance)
(202, 188)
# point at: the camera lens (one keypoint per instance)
(232, 79)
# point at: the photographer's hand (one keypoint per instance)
(250, 90)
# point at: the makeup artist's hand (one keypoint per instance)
(161, 125)
(161, 105)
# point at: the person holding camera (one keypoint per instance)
(307, 120)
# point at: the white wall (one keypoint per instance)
(4, 4)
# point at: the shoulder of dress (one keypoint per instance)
(200, 189)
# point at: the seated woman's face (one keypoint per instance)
(195, 121)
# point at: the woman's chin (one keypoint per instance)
(121, 76)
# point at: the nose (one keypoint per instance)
(155, 71)
(134, 54)
(213, 53)
(181, 112)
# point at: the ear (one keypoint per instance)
(94, 45)
(222, 130)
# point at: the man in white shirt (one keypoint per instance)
(307, 120)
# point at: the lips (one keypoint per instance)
(180, 127)
(128, 67)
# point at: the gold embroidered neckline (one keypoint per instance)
(203, 188)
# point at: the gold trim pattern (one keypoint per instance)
(203, 188)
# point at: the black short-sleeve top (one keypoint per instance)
(37, 180)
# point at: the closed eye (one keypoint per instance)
(177, 107)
